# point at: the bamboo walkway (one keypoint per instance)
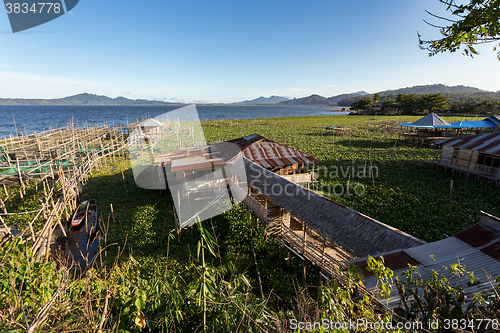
(61, 161)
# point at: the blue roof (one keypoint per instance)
(432, 120)
(472, 124)
(485, 123)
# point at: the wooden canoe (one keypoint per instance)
(81, 212)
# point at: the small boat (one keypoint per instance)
(92, 218)
(81, 212)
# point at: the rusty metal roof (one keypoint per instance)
(247, 141)
(272, 154)
(256, 148)
(395, 261)
(492, 250)
(485, 143)
(269, 154)
(478, 235)
(436, 255)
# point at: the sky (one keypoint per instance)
(229, 51)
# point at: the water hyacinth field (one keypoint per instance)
(228, 274)
(403, 192)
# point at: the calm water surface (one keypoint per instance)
(31, 118)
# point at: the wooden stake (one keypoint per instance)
(19, 174)
(112, 213)
(451, 195)
(124, 186)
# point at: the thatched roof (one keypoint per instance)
(352, 230)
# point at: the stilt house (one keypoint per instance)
(476, 153)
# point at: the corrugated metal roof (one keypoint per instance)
(395, 261)
(486, 142)
(247, 141)
(268, 154)
(495, 119)
(493, 251)
(441, 251)
(445, 253)
(272, 154)
(256, 148)
(478, 235)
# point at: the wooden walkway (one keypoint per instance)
(278, 222)
(472, 174)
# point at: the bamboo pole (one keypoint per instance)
(5, 226)
(4, 208)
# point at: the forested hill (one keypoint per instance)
(80, 99)
(453, 93)
(431, 89)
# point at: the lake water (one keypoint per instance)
(31, 118)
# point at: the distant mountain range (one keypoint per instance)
(81, 99)
(264, 100)
(320, 100)
(316, 100)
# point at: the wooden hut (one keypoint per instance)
(150, 126)
(277, 158)
(428, 126)
(475, 154)
(285, 161)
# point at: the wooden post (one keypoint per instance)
(124, 186)
(323, 252)
(451, 195)
(112, 213)
(19, 174)
(177, 228)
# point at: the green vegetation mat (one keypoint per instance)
(210, 278)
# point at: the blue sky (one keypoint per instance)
(228, 51)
